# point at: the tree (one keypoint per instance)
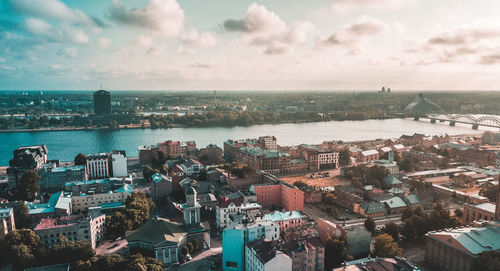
(392, 229)
(28, 186)
(148, 172)
(116, 225)
(203, 175)
(344, 157)
(178, 194)
(80, 159)
(384, 246)
(196, 245)
(490, 192)
(335, 252)
(406, 165)
(459, 212)
(21, 215)
(328, 198)
(23, 245)
(138, 262)
(190, 247)
(370, 224)
(487, 261)
(71, 251)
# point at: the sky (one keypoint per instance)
(249, 45)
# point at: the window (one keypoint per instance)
(231, 264)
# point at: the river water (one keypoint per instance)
(64, 145)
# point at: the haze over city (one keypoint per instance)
(249, 45)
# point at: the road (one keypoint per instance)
(200, 262)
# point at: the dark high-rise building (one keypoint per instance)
(102, 102)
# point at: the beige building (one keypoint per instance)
(83, 202)
(7, 221)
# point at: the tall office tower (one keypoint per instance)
(102, 102)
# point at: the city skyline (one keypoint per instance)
(249, 45)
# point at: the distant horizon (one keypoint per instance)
(393, 91)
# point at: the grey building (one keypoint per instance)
(54, 178)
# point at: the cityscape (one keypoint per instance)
(291, 163)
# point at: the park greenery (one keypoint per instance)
(80, 159)
(336, 252)
(28, 186)
(136, 212)
(370, 224)
(362, 175)
(384, 246)
(490, 192)
(416, 223)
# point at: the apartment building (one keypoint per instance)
(235, 238)
(276, 193)
(83, 202)
(261, 255)
(7, 223)
(233, 214)
(73, 228)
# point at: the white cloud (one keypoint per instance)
(257, 19)
(51, 9)
(352, 34)
(193, 39)
(103, 42)
(162, 16)
(143, 41)
(37, 26)
(265, 28)
(347, 5)
(79, 36)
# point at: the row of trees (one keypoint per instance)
(23, 249)
(245, 118)
(136, 212)
(416, 223)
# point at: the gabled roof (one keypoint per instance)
(394, 202)
(390, 179)
(157, 231)
(473, 240)
(412, 199)
(373, 207)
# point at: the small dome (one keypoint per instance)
(190, 191)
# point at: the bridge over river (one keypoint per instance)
(474, 120)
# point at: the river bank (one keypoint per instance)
(64, 145)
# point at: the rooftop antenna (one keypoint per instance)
(101, 85)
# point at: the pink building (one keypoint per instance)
(286, 220)
(279, 194)
(327, 228)
(306, 254)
